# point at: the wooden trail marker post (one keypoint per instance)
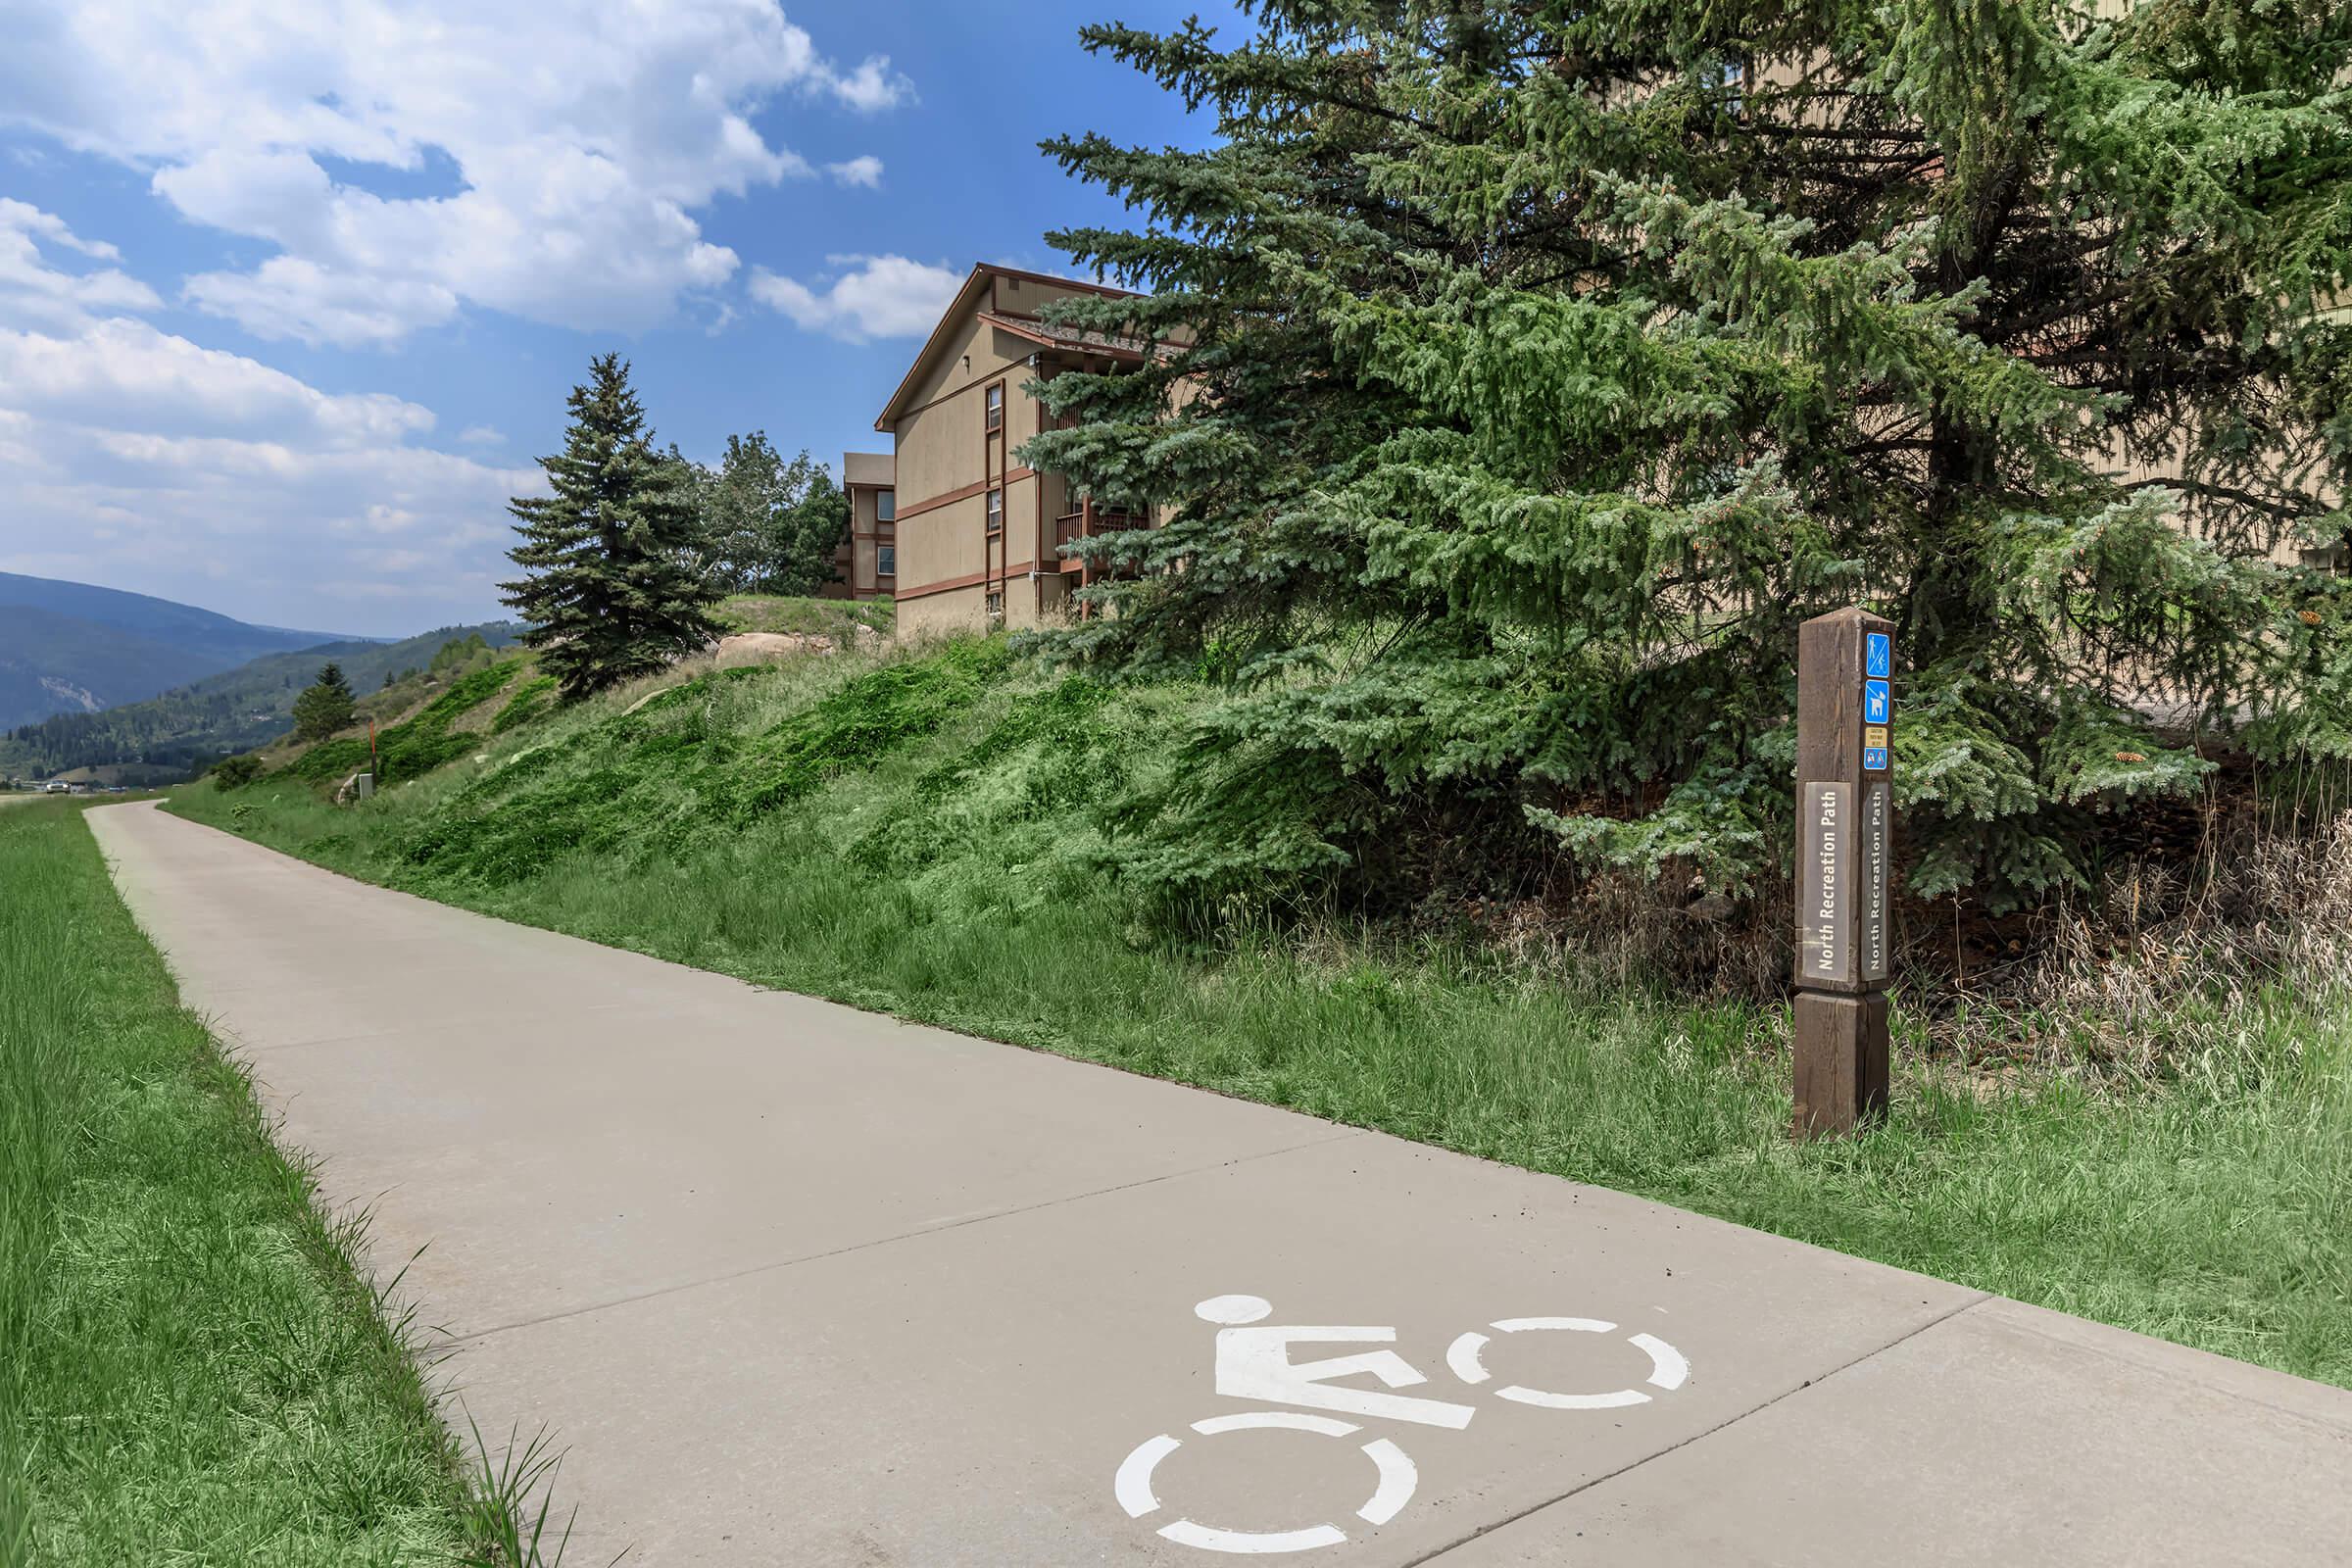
(1844, 842)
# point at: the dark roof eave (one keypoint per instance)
(956, 307)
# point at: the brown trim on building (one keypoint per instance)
(987, 577)
(1081, 351)
(1037, 528)
(952, 394)
(981, 276)
(995, 462)
(1010, 478)
(1046, 337)
(1051, 282)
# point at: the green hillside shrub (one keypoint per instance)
(235, 773)
(1055, 754)
(865, 721)
(532, 699)
(419, 746)
(694, 761)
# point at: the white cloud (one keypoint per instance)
(873, 86)
(482, 436)
(571, 143)
(34, 292)
(29, 220)
(865, 169)
(877, 296)
(122, 375)
(133, 457)
(287, 296)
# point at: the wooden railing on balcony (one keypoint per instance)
(1086, 522)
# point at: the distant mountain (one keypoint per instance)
(169, 737)
(67, 647)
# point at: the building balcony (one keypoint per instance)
(1087, 522)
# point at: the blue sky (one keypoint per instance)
(291, 291)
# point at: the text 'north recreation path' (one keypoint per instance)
(795, 1284)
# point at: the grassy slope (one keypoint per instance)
(189, 1369)
(838, 618)
(230, 712)
(914, 837)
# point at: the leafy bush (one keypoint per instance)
(235, 773)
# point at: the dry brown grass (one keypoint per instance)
(2126, 979)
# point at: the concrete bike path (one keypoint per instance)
(797, 1284)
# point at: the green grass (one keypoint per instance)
(925, 836)
(836, 618)
(166, 737)
(414, 747)
(191, 1370)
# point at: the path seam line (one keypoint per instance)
(476, 1335)
(1979, 1299)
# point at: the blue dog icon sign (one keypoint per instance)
(1878, 654)
(1875, 705)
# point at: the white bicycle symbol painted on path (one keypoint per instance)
(1255, 1363)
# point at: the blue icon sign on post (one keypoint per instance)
(1878, 654)
(1874, 758)
(1875, 705)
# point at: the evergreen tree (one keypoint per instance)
(1545, 365)
(610, 586)
(324, 707)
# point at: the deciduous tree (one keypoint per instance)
(769, 526)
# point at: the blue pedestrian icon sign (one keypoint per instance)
(1876, 703)
(1878, 654)
(1874, 758)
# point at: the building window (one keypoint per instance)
(886, 560)
(995, 512)
(995, 607)
(886, 506)
(995, 407)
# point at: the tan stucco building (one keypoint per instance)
(865, 564)
(978, 536)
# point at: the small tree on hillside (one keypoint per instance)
(235, 773)
(460, 655)
(769, 526)
(326, 706)
(609, 587)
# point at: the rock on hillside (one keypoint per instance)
(766, 647)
